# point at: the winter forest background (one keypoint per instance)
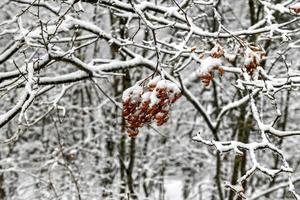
(149, 99)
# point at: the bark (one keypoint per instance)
(2, 191)
(240, 161)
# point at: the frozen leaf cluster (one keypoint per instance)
(141, 104)
(211, 63)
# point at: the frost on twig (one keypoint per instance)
(236, 147)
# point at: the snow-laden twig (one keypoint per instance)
(236, 147)
(274, 188)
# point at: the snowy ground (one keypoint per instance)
(173, 189)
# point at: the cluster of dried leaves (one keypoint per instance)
(141, 104)
(211, 63)
(253, 56)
